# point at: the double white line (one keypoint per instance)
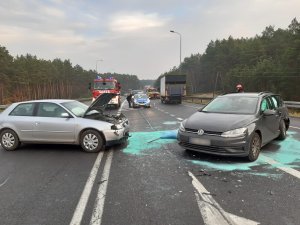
(100, 199)
(99, 202)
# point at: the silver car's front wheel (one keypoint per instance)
(91, 141)
(9, 140)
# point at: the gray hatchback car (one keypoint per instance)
(62, 121)
(237, 124)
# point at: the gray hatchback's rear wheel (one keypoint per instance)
(254, 148)
(91, 141)
(9, 140)
(282, 130)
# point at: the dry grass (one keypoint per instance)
(294, 112)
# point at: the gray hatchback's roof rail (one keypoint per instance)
(264, 92)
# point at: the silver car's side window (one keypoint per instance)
(46, 109)
(25, 109)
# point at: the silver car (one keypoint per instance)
(62, 122)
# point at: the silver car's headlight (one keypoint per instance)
(181, 127)
(116, 127)
(235, 133)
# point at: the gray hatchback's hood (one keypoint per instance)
(100, 103)
(217, 122)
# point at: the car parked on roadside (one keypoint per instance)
(141, 100)
(61, 121)
(236, 124)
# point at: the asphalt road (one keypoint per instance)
(150, 180)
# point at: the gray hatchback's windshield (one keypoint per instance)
(232, 104)
(77, 108)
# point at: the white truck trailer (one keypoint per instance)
(172, 88)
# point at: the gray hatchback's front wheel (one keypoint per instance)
(91, 141)
(254, 147)
(9, 140)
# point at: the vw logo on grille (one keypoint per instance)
(200, 132)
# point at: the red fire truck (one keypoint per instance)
(107, 85)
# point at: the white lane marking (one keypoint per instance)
(79, 211)
(172, 115)
(179, 118)
(99, 202)
(295, 127)
(278, 165)
(211, 211)
(4, 182)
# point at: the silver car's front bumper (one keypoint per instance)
(117, 136)
(214, 144)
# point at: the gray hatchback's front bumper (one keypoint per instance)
(213, 144)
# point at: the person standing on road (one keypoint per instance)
(129, 99)
(239, 88)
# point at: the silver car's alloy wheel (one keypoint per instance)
(255, 145)
(91, 141)
(9, 140)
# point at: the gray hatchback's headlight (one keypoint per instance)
(181, 127)
(235, 133)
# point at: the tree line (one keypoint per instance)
(26, 77)
(266, 62)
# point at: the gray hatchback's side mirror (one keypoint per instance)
(269, 112)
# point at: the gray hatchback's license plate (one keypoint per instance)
(200, 141)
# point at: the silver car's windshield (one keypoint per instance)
(77, 108)
(232, 105)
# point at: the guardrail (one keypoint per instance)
(197, 99)
(204, 100)
(292, 105)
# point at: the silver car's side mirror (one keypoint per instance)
(65, 115)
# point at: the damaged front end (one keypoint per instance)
(119, 131)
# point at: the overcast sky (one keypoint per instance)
(133, 36)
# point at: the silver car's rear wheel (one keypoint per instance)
(91, 141)
(254, 148)
(9, 140)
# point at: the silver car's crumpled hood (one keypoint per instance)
(100, 103)
(218, 122)
(96, 110)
